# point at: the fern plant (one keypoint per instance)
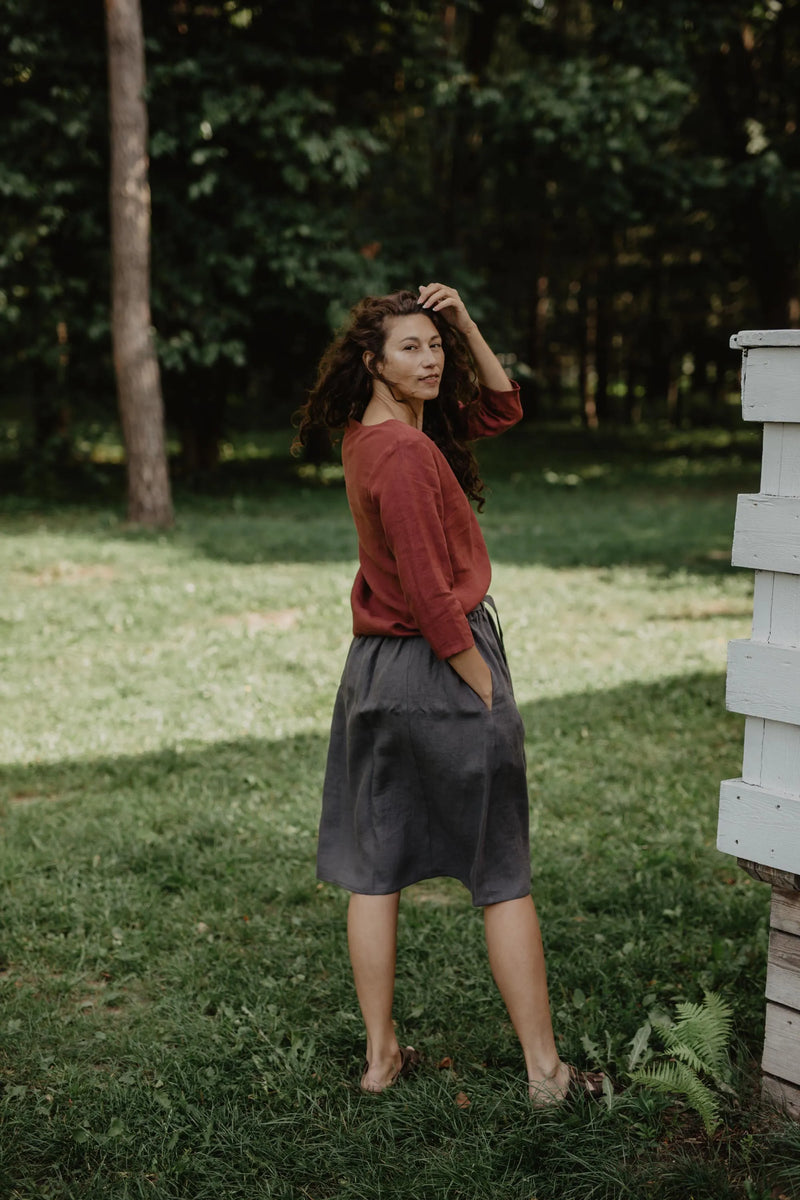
(695, 1057)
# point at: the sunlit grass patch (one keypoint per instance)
(177, 1014)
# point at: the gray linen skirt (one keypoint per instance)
(422, 779)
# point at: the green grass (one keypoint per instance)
(177, 1016)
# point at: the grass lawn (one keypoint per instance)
(178, 1018)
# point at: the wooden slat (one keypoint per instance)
(782, 1043)
(787, 881)
(763, 587)
(765, 337)
(783, 970)
(771, 449)
(766, 535)
(784, 624)
(780, 760)
(780, 460)
(776, 608)
(759, 825)
(753, 757)
(764, 681)
(771, 383)
(771, 758)
(784, 1096)
(785, 912)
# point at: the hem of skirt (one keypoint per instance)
(481, 902)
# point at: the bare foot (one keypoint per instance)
(566, 1081)
(382, 1073)
(550, 1089)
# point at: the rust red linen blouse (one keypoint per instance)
(423, 560)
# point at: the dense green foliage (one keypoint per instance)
(614, 184)
(178, 1018)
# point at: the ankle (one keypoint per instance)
(383, 1053)
(543, 1069)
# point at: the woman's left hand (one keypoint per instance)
(446, 300)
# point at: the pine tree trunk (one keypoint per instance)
(138, 379)
(587, 377)
(602, 355)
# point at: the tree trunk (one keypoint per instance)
(50, 404)
(602, 355)
(658, 343)
(537, 302)
(633, 403)
(138, 379)
(674, 395)
(587, 378)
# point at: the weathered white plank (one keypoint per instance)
(782, 1043)
(753, 756)
(780, 760)
(784, 1096)
(771, 383)
(764, 681)
(765, 337)
(785, 912)
(776, 608)
(771, 758)
(759, 825)
(771, 453)
(763, 587)
(783, 970)
(790, 465)
(780, 460)
(785, 617)
(766, 535)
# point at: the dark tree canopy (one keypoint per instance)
(614, 184)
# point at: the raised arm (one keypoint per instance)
(445, 300)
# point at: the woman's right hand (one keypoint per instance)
(474, 670)
(444, 300)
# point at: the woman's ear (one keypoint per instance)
(368, 357)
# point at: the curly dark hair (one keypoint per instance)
(343, 386)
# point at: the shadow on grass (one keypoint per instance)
(658, 529)
(623, 784)
(177, 990)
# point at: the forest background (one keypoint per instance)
(614, 185)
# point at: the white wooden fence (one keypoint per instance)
(759, 814)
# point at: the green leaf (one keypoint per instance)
(639, 1044)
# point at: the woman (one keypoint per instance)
(426, 769)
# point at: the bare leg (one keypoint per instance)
(516, 957)
(372, 937)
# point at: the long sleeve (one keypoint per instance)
(407, 489)
(494, 413)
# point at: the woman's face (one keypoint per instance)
(413, 357)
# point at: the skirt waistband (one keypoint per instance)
(488, 609)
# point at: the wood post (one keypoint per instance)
(759, 814)
(135, 362)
